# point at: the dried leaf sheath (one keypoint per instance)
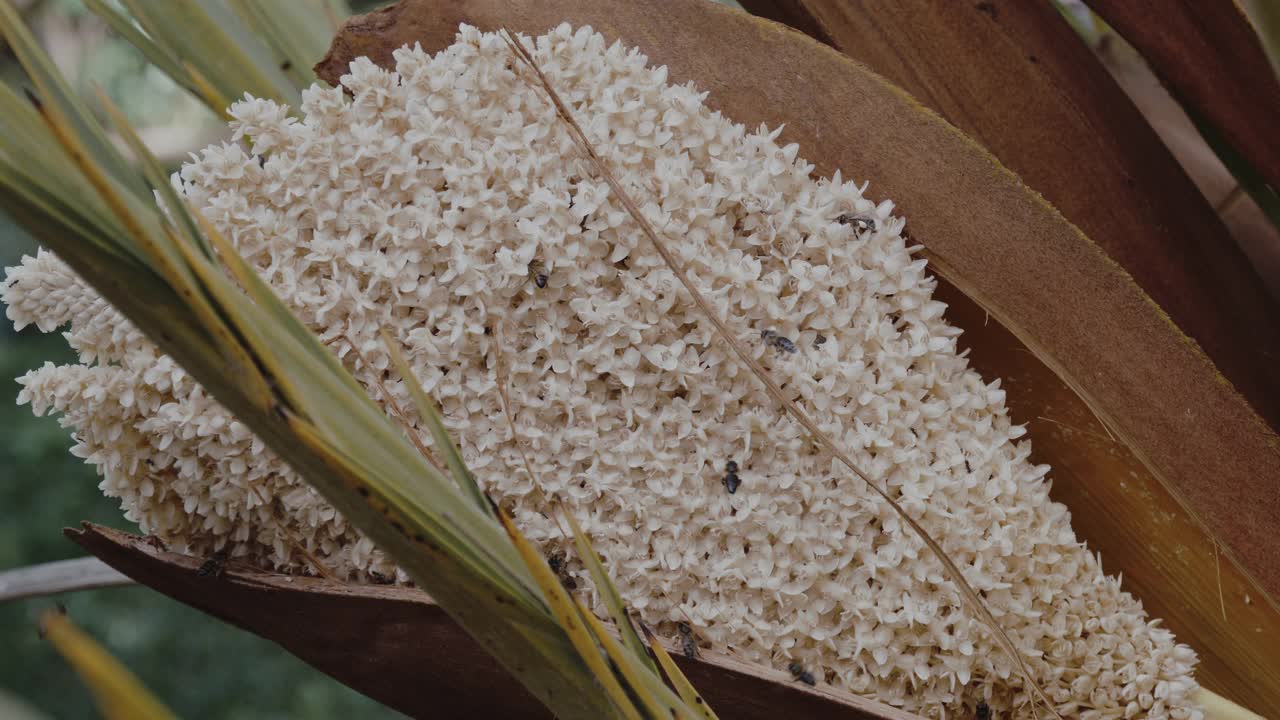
(1210, 55)
(1010, 74)
(446, 674)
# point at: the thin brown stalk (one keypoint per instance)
(500, 369)
(1074, 428)
(1217, 563)
(822, 439)
(290, 538)
(503, 380)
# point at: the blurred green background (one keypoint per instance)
(199, 666)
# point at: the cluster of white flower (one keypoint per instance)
(418, 206)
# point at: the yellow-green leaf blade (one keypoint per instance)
(637, 676)
(215, 43)
(118, 693)
(440, 436)
(566, 612)
(154, 174)
(298, 32)
(678, 680)
(608, 592)
(125, 28)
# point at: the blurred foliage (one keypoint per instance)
(88, 54)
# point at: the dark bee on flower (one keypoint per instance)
(688, 643)
(820, 339)
(782, 344)
(984, 711)
(859, 223)
(215, 565)
(561, 568)
(799, 673)
(731, 480)
(538, 272)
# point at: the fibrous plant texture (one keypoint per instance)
(445, 205)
